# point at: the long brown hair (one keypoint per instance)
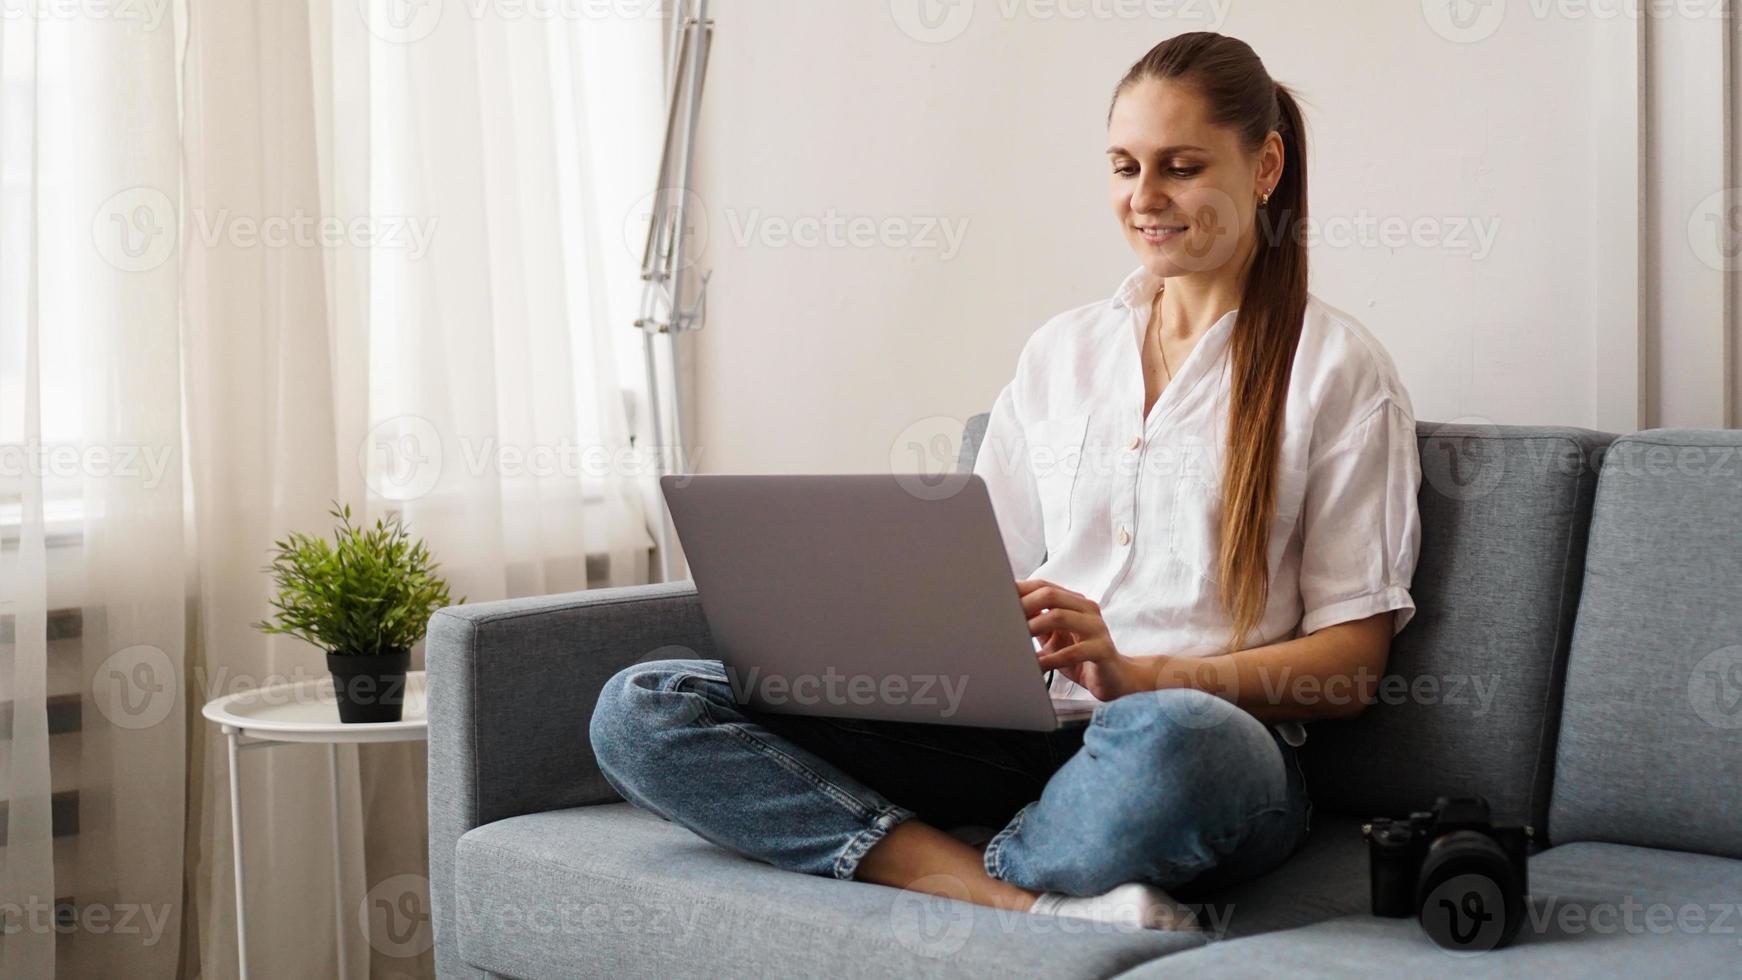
(1241, 94)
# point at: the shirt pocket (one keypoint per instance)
(1055, 452)
(1195, 535)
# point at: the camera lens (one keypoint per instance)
(1469, 896)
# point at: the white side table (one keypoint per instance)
(304, 711)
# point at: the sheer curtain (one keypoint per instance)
(339, 254)
(92, 610)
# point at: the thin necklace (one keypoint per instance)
(1155, 319)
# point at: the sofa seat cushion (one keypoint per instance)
(1325, 879)
(1596, 910)
(613, 891)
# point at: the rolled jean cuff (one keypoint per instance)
(885, 820)
(993, 857)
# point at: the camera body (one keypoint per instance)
(1464, 878)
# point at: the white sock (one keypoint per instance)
(1136, 905)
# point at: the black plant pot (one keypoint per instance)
(370, 688)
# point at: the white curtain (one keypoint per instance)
(92, 566)
(340, 254)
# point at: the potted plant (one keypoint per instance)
(365, 599)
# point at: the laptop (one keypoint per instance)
(886, 597)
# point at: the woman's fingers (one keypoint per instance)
(1077, 653)
(1056, 618)
(1049, 596)
(1055, 640)
(1029, 586)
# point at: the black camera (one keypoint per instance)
(1463, 877)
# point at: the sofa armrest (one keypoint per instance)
(512, 686)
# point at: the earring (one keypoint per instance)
(1264, 199)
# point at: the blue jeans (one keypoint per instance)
(1176, 788)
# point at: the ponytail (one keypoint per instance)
(1261, 360)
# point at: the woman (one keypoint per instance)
(1225, 463)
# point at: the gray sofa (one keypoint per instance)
(1576, 657)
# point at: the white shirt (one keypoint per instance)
(1092, 495)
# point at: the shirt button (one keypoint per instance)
(1135, 442)
(1124, 536)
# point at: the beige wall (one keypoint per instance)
(1513, 151)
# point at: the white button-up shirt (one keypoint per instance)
(1092, 495)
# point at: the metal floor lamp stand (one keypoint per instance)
(665, 311)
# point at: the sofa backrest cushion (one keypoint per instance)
(1469, 702)
(973, 433)
(1651, 739)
